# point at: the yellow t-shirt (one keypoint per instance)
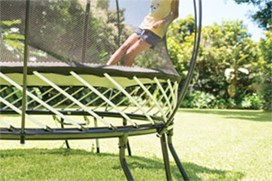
(158, 10)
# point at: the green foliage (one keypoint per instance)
(229, 63)
(59, 27)
(199, 100)
(266, 48)
(103, 4)
(180, 43)
(263, 15)
(12, 38)
(226, 47)
(251, 102)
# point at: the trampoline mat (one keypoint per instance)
(59, 73)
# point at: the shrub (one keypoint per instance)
(199, 100)
(252, 102)
(219, 103)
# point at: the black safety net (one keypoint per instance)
(75, 32)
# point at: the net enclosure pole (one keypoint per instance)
(118, 22)
(26, 56)
(85, 31)
(183, 90)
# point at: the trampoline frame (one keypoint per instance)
(162, 127)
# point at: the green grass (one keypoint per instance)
(212, 144)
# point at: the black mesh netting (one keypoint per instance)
(75, 31)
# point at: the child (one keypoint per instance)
(149, 33)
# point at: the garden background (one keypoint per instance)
(233, 71)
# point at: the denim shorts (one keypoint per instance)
(148, 36)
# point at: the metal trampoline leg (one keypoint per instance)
(122, 147)
(66, 141)
(96, 140)
(128, 145)
(165, 157)
(175, 156)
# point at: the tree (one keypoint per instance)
(180, 43)
(219, 52)
(57, 28)
(56, 33)
(266, 48)
(263, 16)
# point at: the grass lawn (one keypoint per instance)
(212, 145)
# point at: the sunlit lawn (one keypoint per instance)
(212, 144)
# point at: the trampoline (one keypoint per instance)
(53, 56)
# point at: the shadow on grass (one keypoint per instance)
(136, 164)
(194, 171)
(247, 115)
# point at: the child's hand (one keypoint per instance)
(157, 24)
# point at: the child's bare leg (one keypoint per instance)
(134, 50)
(116, 57)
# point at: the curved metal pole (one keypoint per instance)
(118, 23)
(26, 55)
(197, 37)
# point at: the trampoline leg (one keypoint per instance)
(66, 141)
(67, 144)
(175, 156)
(165, 157)
(96, 140)
(122, 147)
(128, 145)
